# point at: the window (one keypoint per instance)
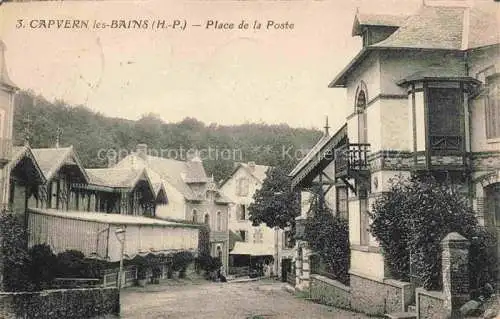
(364, 218)
(243, 235)
(288, 240)
(242, 187)
(445, 118)
(195, 216)
(257, 236)
(242, 214)
(360, 109)
(341, 201)
(207, 219)
(493, 107)
(219, 221)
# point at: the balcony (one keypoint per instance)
(351, 159)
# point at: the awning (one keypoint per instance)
(241, 248)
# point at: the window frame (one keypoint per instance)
(492, 110)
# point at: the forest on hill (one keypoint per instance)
(94, 136)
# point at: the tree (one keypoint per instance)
(275, 204)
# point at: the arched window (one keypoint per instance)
(206, 219)
(360, 109)
(195, 216)
(219, 221)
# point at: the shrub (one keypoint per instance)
(14, 247)
(180, 262)
(42, 269)
(328, 237)
(72, 264)
(410, 222)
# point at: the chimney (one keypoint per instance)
(142, 151)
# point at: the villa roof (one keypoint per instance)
(18, 152)
(436, 27)
(51, 160)
(113, 178)
(179, 174)
(382, 20)
(256, 171)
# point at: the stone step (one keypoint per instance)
(401, 315)
(412, 308)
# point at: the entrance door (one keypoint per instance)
(286, 267)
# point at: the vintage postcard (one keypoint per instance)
(250, 159)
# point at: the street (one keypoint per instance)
(256, 300)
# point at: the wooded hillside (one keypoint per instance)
(91, 134)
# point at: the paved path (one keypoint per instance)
(252, 300)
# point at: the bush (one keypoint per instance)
(72, 264)
(180, 262)
(16, 260)
(42, 269)
(328, 237)
(411, 220)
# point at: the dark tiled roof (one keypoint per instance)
(436, 74)
(434, 27)
(452, 28)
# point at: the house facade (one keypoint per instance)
(190, 195)
(423, 98)
(256, 241)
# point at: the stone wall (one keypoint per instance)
(330, 292)
(430, 304)
(61, 303)
(376, 297)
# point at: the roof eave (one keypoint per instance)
(340, 80)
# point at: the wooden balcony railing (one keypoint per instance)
(351, 157)
(446, 143)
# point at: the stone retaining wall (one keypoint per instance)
(61, 303)
(330, 292)
(430, 304)
(376, 297)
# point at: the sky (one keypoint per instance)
(229, 76)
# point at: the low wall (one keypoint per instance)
(430, 304)
(378, 297)
(330, 292)
(61, 303)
